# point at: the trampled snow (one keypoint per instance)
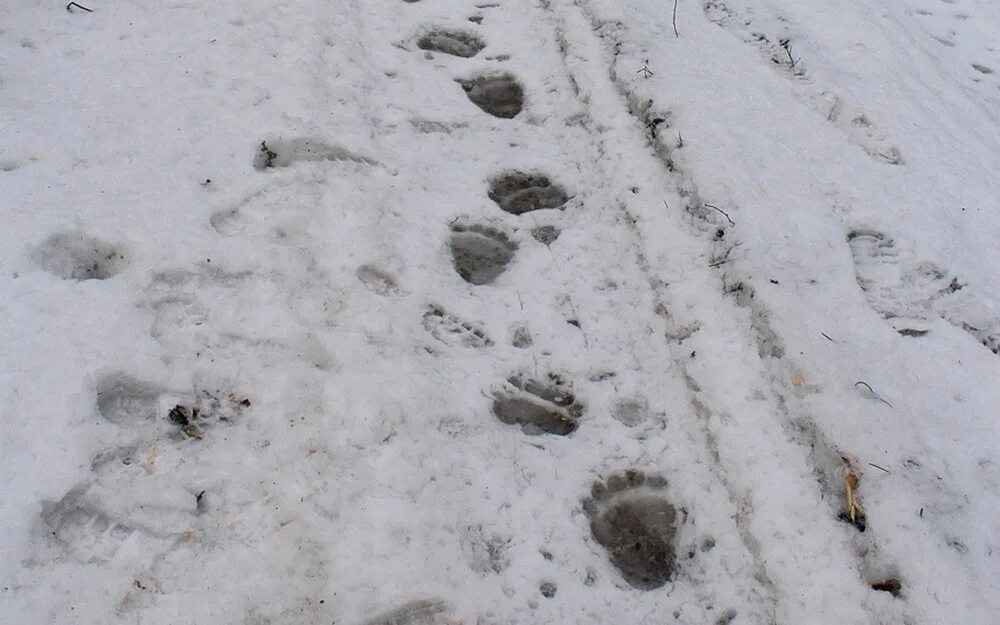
(407, 313)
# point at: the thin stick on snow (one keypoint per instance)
(69, 7)
(872, 391)
(676, 34)
(866, 385)
(731, 222)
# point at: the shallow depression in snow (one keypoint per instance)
(453, 42)
(518, 192)
(631, 517)
(77, 256)
(480, 253)
(499, 95)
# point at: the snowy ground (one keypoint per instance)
(295, 332)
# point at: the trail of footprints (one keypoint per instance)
(90, 522)
(779, 51)
(630, 514)
(910, 293)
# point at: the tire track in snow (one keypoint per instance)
(794, 439)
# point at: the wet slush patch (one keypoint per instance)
(517, 192)
(453, 42)
(480, 253)
(632, 519)
(500, 95)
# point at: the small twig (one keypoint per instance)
(69, 7)
(787, 45)
(872, 464)
(676, 34)
(866, 385)
(872, 391)
(827, 337)
(712, 206)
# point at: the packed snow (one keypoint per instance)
(441, 312)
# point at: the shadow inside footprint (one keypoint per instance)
(518, 192)
(124, 400)
(76, 256)
(538, 407)
(453, 42)
(377, 281)
(634, 522)
(480, 253)
(501, 96)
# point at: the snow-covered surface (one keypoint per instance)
(775, 274)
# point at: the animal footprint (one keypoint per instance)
(546, 235)
(517, 192)
(485, 553)
(76, 256)
(83, 528)
(453, 42)
(895, 288)
(910, 293)
(480, 253)
(501, 95)
(630, 412)
(520, 337)
(377, 281)
(451, 330)
(634, 522)
(864, 133)
(538, 407)
(124, 400)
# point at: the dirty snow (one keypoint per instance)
(423, 312)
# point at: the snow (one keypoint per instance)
(244, 382)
